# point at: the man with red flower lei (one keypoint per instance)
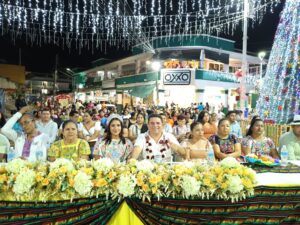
(156, 144)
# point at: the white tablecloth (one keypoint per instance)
(278, 179)
(296, 162)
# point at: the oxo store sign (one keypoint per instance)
(176, 77)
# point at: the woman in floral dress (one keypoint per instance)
(225, 144)
(113, 145)
(256, 142)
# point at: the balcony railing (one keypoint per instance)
(216, 76)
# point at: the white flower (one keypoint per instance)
(188, 164)
(24, 182)
(103, 164)
(229, 162)
(145, 165)
(190, 185)
(235, 184)
(126, 185)
(62, 162)
(16, 166)
(82, 183)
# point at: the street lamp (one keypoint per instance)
(156, 65)
(71, 73)
(261, 56)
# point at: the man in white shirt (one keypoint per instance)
(47, 126)
(291, 139)
(156, 144)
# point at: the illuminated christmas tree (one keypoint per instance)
(280, 92)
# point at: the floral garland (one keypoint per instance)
(66, 180)
(165, 145)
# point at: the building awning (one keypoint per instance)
(142, 91)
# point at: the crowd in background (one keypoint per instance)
(163, 134)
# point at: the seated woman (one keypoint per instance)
(255, 141)
(139, 128)
(225, 144)
(113, 145)
(208, 127)
(197, 144)
(70, 147)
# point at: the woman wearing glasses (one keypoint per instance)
(31, 144)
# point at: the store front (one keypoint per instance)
(186, 86)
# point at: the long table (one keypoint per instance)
(276, 201)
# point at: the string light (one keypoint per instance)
(89, 20)
(280, 93)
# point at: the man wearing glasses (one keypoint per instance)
(31, 144)
(155, 144)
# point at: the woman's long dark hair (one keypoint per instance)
(249, 132)
(108, 136)
(201, 116)
(143, 115)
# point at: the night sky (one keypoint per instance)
(42, 59)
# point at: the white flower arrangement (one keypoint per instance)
(126, 185)
(103, 164)
(82, 183)
(235, 184)
(24, 182)
(60, 163)
(145, 165)
(190, 186)
(230, 162)
(66, 179)
(16, 166)
(188, 164)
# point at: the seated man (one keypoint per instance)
(31, 144)
(47, 126)
(156, 144)
(291, 139)
(235, 127)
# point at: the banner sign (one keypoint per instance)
(176, 77)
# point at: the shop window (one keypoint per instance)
(175, 64)
(216, 66)
(233, 69)
(254, 70)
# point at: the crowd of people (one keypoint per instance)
(160, 134)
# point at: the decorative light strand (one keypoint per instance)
(114, 19)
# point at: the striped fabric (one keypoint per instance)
(268, 206)
(82, 211)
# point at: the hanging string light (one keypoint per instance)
(87, 22)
